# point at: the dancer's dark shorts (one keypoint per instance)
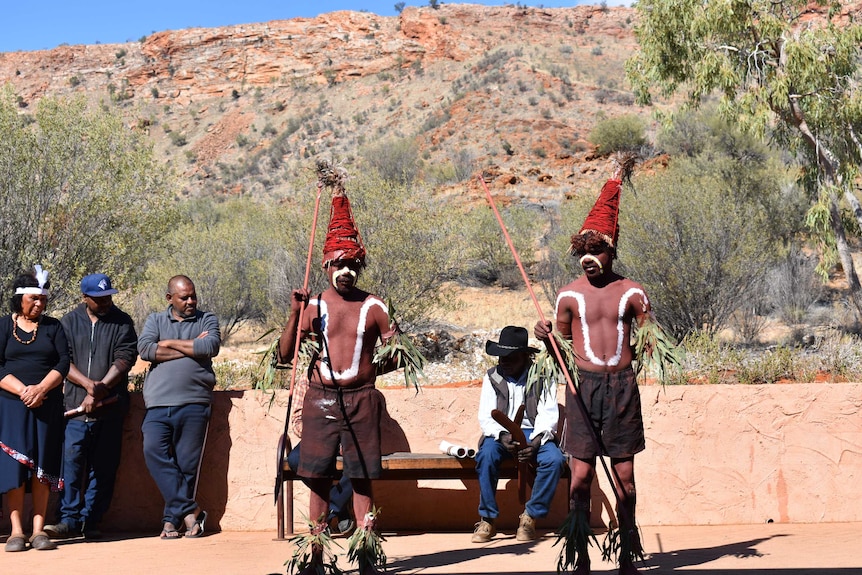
(614, 405)
(348, 418)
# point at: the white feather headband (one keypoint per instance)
(42, 278)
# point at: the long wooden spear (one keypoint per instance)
(578, 399)
(284, 439)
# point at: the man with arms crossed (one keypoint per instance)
(180, 343)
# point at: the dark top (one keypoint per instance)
(31, 363)
(95, 347)
(187, 379)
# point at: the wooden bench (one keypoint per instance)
(396, 466)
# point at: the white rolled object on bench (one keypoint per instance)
(458, 451)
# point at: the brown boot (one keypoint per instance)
(484, 531)
(526, 528)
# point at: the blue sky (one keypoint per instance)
(44, 24)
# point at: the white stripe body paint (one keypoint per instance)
(353, 370)
(585, 329)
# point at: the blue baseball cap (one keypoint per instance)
(97, 285)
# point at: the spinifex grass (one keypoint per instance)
(364, 546)
(655, 349)
(399, 352)
(545, 368)
(314, 549)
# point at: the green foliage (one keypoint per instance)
(700, 235)
(839, 354)
(178, 139)
(793, 285)
(768, 367)
(80, 193)
(656, 352)
(487, 256)
(546, 369)
(707, 359)
(400, 353)
(364, 545)
(226, 250)
(695, 244)
(399, 6)
(619, 134)
(318, 540)
(246, 257)
(576, 536)
(796, 84)
(395, 160)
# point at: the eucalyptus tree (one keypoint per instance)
(786, 69)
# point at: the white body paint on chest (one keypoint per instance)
(353, 370)
(585, 329)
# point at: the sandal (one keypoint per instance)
(169, 532)
(197, 528)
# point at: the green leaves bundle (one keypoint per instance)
(576, 535)
(545, 369)
(317, 542)
(364, 546)
(398, 352)
(656, 349)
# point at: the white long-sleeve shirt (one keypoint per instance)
(546, 418)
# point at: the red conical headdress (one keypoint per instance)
(603, 219)
(343, 241)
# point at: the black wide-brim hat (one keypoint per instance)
(512, 339)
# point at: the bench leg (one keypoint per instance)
(284, 511)
(288, 493)
(279, 514)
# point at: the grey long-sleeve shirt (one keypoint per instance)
(187, 379)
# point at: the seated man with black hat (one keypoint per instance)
(505, 389)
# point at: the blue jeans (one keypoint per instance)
(174, 439)
(339, 495)
(549, 467)
(90, 460)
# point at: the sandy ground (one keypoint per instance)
(775, 549)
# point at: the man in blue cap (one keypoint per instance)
(104, 348)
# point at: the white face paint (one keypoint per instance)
(591, 258)
(341, 272)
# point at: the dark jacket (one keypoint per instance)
(94, 348)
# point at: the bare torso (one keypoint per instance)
(350, 328)
(598, 317)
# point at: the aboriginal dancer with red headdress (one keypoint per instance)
(596, 312)
(341, 410)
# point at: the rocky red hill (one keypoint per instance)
(512, 91)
